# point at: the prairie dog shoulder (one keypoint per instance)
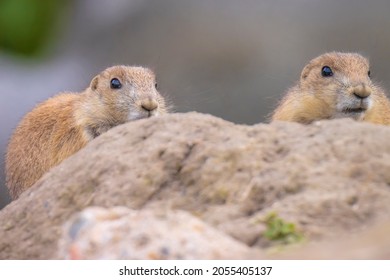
(63, 124)
(335, 85)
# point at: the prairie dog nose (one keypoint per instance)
(361, 91)
(149, 104)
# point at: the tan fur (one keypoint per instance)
(316, 97)
(62, 125)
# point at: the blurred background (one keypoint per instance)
(231, 59)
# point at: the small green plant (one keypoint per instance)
(281, 231)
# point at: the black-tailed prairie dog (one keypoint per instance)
(63, 124)
(335, 85)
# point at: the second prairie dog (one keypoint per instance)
(63, 124)
(335, 85)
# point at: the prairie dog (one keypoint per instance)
(63, 124)
(335, 85)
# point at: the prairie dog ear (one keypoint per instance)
(94, 83)
(305, 71)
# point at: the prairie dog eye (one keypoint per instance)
(369, 73)
(326, 71)
(115, 83)
(155, 85)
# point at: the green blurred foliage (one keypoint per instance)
(281, 231)
(26, 26)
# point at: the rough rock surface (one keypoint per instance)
(330, 178)
(121, 233)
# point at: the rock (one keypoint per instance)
(371, 244)
(330, 179)
(121, 233)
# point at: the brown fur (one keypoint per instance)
(62, 125)
(316, 97)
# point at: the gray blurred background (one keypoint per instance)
(231, 59)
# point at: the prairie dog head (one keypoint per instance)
(340, 82)
(118, 95)
(129, 92)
